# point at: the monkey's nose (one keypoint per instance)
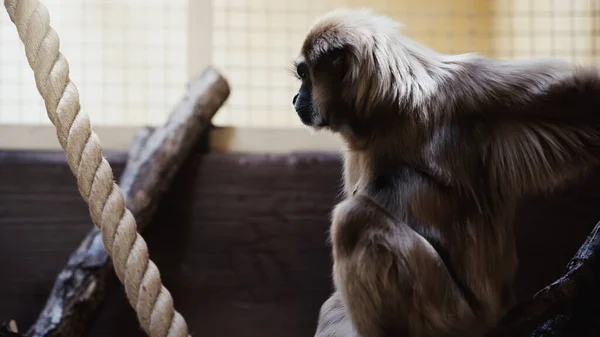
(295, 98)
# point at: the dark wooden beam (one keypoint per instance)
(568, 306)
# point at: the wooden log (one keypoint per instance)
(568, 306)
(155, 157)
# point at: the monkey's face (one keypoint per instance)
(318, 99)
(347, 68)
(303, 100)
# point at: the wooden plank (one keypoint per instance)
(222, 139)
(246, 253)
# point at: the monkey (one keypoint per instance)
(437, 150)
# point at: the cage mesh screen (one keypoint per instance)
(255, 40)
(129, 57)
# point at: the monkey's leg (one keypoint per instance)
(391, 280)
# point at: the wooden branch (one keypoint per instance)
(154, 158)
(568, 306)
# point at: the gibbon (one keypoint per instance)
(438, 149)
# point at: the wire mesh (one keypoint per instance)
(255, 40)
(128, 59)
(131, 72)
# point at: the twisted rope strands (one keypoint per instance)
(128, 250)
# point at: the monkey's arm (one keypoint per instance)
(391, 280)
(542, 118)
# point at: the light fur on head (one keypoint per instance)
(384, 65)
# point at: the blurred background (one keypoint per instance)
(132, 58)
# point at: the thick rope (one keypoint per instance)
(140, 276)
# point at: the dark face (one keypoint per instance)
(319, 95)
(333, 97)
(303, 100)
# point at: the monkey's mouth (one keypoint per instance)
(307, 115)
(313, 120)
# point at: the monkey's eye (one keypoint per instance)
(302, 70)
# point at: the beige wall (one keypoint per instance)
(452, 26)
(128, 59)
(541, 28)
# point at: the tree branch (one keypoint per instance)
(556, 310)
(155, 157)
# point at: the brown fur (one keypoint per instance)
(439, 149)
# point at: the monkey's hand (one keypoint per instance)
(391, 280)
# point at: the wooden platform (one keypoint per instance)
(240, 239)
